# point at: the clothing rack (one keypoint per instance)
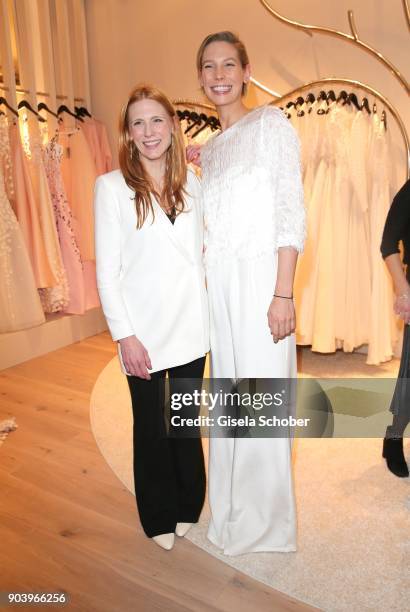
(320, 83)
(41, 93)
(364, 87)
(200, 121)
(77, 113)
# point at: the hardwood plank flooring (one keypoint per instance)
(68, 523)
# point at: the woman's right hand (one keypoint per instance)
(135, 357)
(193, 154)
(402, 306)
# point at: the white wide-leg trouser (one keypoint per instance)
(250, 479)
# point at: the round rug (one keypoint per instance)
(353, 515)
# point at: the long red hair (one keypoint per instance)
(132, 169)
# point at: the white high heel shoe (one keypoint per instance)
(165, 540)
(182, 529)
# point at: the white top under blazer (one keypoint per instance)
(151, 280)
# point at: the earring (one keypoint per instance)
(131, 149)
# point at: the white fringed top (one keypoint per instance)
(252, 188)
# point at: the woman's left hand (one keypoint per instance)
(193, 154)
(281, 318)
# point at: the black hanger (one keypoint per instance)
(365, 105)
(353, 98)
(82, 111)
(299, 101)
(342, 97)
(192, 120)
(290, 104)
(183, 115)
(384, 119)
(215, 123)
(206, 124)
(322, 96)
(64, 109)
(43, 106)
(288, 115)
(27, 105)
(331, 95)
(197, 120)
(374, 109)
(310, 98)
(3, 102)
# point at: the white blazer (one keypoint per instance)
(151, 280)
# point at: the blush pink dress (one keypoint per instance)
(66, 230)
(79, 174)
(25, 207)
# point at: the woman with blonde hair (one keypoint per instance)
(254, 216)
(152, 289)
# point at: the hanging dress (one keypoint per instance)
(358, 270)
(79, 175)
(323, 334)
(54, 297)
(20, 306)
(70, 252)
(383, 327)
(307, 270)
(90, 130)
(28, 215)
(339, 131)
(105, 149)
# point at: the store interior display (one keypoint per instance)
(48, 195)
(66, 67)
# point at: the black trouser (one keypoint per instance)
(400, 406)
(169, 472)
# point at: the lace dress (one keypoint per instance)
(66, 229)
(20, 305)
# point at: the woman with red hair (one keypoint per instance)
(151, 283)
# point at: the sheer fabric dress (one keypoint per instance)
(20, 305)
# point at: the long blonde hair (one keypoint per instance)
(132, 169)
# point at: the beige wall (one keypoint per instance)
(156, 40)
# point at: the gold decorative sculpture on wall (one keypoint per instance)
(352, 38)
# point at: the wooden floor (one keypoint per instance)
(67, 523)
